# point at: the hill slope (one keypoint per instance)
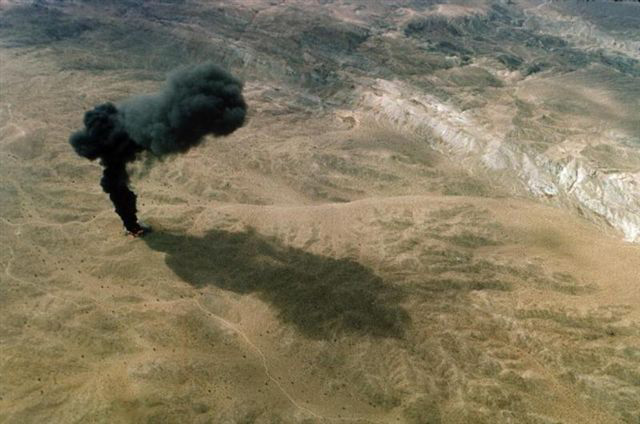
(423, 220)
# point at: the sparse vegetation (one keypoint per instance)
(391, 276)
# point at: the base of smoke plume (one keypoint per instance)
(197, 101)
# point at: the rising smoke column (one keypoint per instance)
(197, 101)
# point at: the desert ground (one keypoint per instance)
(431, 216)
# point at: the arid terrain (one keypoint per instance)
(431, 216)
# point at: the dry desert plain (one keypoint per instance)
(429, 217)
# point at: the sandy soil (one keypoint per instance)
(307, 269)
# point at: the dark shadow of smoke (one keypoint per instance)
(319, 295)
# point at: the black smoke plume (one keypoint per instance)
(197, 101)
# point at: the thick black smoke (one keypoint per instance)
(197, 101)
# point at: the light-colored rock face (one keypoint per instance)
(571, 179)
(431, 216)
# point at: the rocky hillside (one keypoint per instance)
(431, 216)
(540, 96)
